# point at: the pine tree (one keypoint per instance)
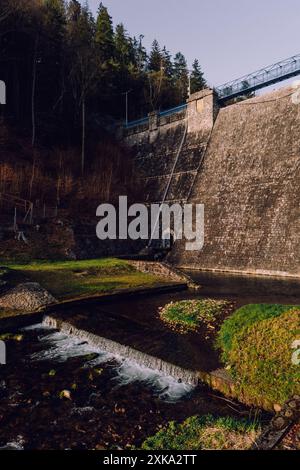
(167, 63)
(155, 58)
(55, 17)
(198, 82)
(53, 40)
(124, 52)
(181, 77)
(74, 10)
(140, 54)
(104, 37)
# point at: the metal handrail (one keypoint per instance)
(248, 83)
(260, 79)
(177, 109)
(138, 122)
(166, 112)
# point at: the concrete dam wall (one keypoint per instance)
(243, 163)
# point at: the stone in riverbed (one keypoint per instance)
(29, 297)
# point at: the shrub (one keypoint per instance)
(260, 357)
(243, 317)
(188, 315)
(206, 432)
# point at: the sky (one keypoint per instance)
(231, 38)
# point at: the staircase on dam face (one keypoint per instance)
(169, 150)
(248, 187)
(246, 178)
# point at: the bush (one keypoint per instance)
(206, 432)
(188, 315)
(243, 317)
(260, 356)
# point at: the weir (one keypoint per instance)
(243, 163)
(125, 351)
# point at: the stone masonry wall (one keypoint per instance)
(243, 164)
(156, 145)
(249, 183)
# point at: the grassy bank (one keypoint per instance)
(256, 344)
(205, 433)
(69, 279)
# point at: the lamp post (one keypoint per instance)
(126, 105)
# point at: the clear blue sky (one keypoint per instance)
(229, 37)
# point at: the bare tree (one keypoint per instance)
(33, 90)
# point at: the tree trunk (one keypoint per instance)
(33, 92)
(83, 136)
(32, 177)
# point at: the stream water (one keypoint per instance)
(59, 392)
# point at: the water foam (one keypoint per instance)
(59, 347)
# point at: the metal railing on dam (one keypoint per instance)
(260, 79)
(252, 82)
(167, 112)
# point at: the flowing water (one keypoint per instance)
(69, 389)
(59, 392)
(60, 347)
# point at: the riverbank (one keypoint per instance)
(57, 392)
(69, 280)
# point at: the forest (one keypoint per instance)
(66, 70)
(68, 74)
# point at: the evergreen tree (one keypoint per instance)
(53, 48)
(181, 77)
(140, 54)
(167, 63)
(55, 17)
(104, 37)
(155, 58)
(124, 49)
(78, 64)
(198, 82)
(74, 11)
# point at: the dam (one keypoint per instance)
(242, 162)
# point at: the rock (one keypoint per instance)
(28, 297)
(289, 414)
(65, 394)
(279, 423)
(292, 404)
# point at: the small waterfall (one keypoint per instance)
(125, 352)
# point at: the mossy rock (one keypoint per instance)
(188, 316)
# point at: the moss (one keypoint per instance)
(260, 358)
(189, 315)
(243, 317)
(206, 432)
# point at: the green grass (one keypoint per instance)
(243, 317)
(189, 315)
(204, 433)
(256, 345)
(69, 279)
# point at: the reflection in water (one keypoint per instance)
(248, 289)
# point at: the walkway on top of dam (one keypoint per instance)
(269, 75)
